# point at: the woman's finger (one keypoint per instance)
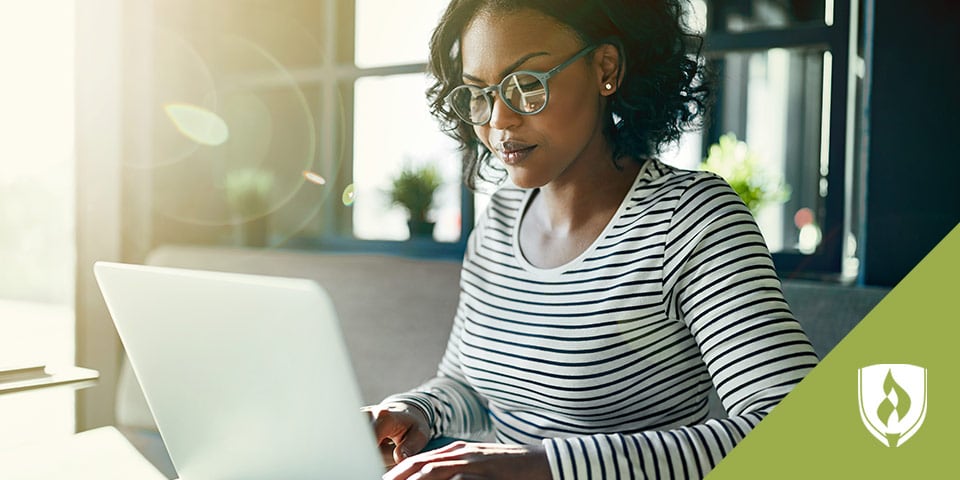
(387, 448)
(442, 463)
(468, 476)
(427, 470)
(410, 444)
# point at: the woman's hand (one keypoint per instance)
(401, 430)
(475, 461)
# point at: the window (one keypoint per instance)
(392, 127)
(325, 103)
(321, 104)
(785, 81)
(37, 247)
(391, 110)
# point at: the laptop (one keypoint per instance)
(247, 376)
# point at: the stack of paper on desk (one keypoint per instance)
(33, 376)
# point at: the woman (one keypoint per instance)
(603, 293)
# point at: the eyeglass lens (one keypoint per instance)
(522, 92)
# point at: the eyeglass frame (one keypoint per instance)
(498, 87)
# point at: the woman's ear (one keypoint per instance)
(607, 61)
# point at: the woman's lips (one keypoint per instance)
(513, 153)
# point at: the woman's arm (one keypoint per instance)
(720, 281)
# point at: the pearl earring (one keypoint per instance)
(608, 86)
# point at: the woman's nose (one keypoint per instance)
(501, 116)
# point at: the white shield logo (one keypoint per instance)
(893, 401)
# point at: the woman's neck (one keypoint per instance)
(581, 199)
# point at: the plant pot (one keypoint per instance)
(420, 229)
(253, 232)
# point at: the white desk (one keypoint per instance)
(99, 454)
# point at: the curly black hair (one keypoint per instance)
(663, 91)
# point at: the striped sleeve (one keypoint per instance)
(454, 408)
(719, 280)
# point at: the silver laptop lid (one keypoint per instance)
(247, 376)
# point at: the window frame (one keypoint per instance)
(336, 77)
(839, 39)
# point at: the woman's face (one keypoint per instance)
(562, 140)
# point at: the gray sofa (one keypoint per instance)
(396, 314)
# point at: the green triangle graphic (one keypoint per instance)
(816, 432)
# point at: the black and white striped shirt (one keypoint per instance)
(608, 360)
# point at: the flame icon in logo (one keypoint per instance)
(888, 411)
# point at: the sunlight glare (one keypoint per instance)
(314, 177)
(349, 195)
(198, 124)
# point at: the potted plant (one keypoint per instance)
(248, 196)
(738, 165)
(413, 189)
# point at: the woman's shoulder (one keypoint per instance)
(696, 199)
(662, 173)
(509, 193)
(662, 182)
(505, 202)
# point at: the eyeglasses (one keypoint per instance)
(524, 92)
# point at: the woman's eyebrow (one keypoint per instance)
(513, 66)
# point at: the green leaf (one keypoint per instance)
(738, 165)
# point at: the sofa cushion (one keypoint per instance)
(828, 311)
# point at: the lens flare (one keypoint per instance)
(803, 217)
(198, 124)
(349, 195)
(809, 239)
(314, 177)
